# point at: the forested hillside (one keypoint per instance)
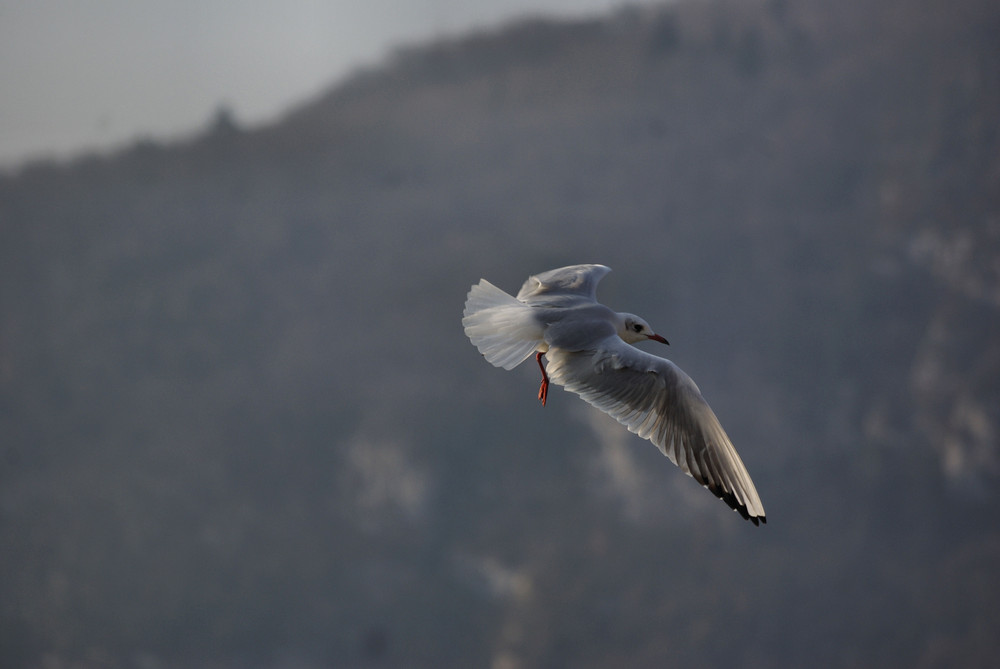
(240, 425)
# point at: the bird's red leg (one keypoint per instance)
(543, 390)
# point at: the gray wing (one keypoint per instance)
(653, 398)
(563, 285)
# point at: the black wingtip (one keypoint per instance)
(738, 507)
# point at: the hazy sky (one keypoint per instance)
(77, 74)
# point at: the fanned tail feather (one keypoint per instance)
(503, 328)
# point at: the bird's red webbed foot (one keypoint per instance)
(543, 390)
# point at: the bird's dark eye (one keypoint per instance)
(637, 327)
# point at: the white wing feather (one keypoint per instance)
(655, 399)
(563, 286)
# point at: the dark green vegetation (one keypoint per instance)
(241, 426)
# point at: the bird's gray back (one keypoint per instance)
(577, 327)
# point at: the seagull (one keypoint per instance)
(590, 352)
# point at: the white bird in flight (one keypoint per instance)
(556, 313)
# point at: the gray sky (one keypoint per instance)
(80, 74)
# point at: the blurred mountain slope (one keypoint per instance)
(242, 426)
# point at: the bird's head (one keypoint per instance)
(633, 329)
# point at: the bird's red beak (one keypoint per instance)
(656, 337)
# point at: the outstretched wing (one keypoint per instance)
(653, 398)
(566, 284)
